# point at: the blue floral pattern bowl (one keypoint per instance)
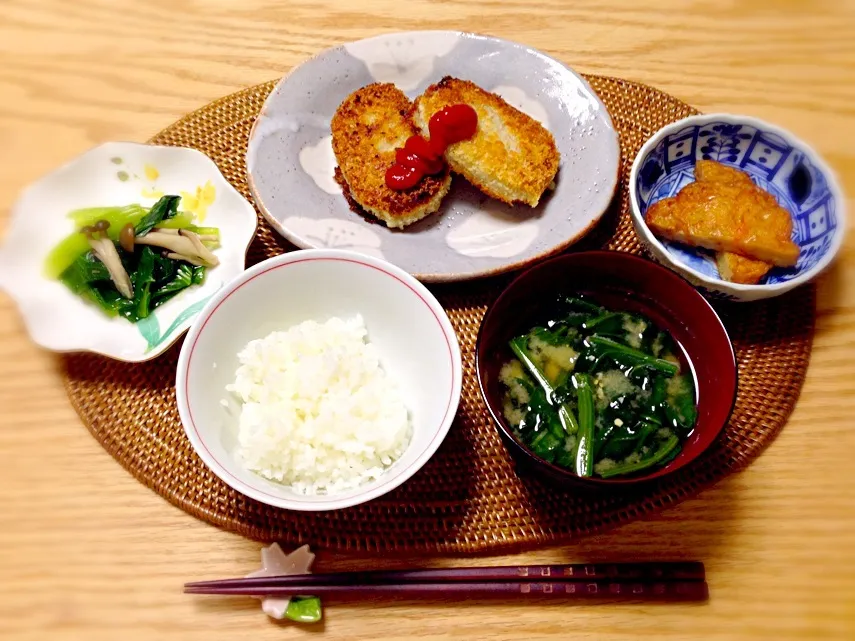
(776, 161)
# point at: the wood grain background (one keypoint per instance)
(86, 552)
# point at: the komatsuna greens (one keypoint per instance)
(597, 391)
(130, 260)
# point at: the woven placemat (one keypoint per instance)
(468, 498)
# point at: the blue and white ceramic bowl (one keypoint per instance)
(776, 160)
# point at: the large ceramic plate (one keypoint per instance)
(290, 161)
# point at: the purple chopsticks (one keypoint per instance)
(671, 581)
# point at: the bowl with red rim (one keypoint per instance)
(415, 342)
(622, 282)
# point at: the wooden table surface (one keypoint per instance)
(87, 552)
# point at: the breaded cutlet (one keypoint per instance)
(367, 128)
(511, 157)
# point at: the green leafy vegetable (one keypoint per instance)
(76, 244)
(629, 356)
(210, 235)
(182, 279)
(518, 345)
(87, 269)
(179, 220)
(155, 277)
(565, 415)
(607, 323)
(598, 391)
(680, 409)
(84, 276)
(658, 393)
(669, 457)
(163, 209)
(585, 444)
(577, 303)
(199, 273)
(545, 445)
(143, 278)
(205, 231)
(665, 449)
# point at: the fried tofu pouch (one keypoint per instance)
(739, 269)
(732, 267)
(725, 211)
(367, 128)
(511, 157)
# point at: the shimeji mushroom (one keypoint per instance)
(105, 251)
(182, 244)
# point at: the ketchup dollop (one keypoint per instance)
(420, 157)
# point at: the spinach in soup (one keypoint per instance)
(597, 391)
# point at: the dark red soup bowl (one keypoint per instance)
(618, 281)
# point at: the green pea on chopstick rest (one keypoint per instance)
(274, 562)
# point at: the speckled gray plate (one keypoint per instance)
(290, 161)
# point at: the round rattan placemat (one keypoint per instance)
(468, 498)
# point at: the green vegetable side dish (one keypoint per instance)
(599, 392)
(131, 260)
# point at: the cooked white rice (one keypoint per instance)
(318, 412)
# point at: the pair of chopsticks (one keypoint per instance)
(683, 581)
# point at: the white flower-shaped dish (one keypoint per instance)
(118, 173)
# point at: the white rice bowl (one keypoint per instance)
(318, 412)
(273, 461)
